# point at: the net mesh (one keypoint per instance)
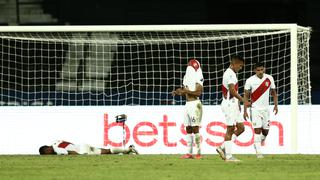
(139, 68)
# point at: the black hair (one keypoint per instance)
(258, 64)
(42, 150)
(237, 57)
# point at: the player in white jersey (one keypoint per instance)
(230, 106)
(258, 87)
(61, 147)
(192, 89)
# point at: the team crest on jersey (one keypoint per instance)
(267, 84)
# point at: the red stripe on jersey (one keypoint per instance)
(225, 91)
(64, 144)
(264, 86)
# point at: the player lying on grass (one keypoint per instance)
(60, 147)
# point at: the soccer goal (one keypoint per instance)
(141, 65)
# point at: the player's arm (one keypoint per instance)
(178, 92)
(234, 93)
(245, 104)
(197, 92)
(275, 100)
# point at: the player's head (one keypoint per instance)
(194, 63)
(259, 69)
(46, 150)
(237, 63)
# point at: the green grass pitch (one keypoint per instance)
(153, 167)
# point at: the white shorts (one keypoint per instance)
(260, 118)
(193, 113)
(231, 111)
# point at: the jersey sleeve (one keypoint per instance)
(247, 85)
(199, 79)
(273, 85)
(232, 79)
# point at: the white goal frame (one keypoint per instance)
(221, 27)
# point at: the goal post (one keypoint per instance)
(92, 52)
(142, 64)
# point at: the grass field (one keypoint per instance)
(154, 167)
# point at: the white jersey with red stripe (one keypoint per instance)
(260, 90)
(62, 147)
(192, 77)
(229, 77)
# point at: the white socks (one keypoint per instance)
(227, 145)
(198, 142)
(228, 149)
(257, 143)
(189, 143)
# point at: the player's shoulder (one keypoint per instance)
(268, 76)
(57, 141)
(229, 72)
(251, 78)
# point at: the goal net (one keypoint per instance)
(141, 65)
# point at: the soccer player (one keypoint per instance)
(231, 108)
(192, 89)
(60, 147)
(258, 87)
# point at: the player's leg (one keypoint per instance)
(264, 135)
(233, 120)
(230, 128)
(265, 126)
(257, 118)
(195, 128)
(228, 142)
(130, 149)
(188, 155)
(189, 111)
(257, 142)
(197, 139)
(87, 149)
(238, 131)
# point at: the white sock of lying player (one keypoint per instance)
(119, 150)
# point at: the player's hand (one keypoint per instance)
(177, 92)
(275, 110)
(247, 104)
(173, 93)
(245, 115)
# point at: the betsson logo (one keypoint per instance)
(165, 125)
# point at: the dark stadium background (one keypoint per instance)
(131, 12)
